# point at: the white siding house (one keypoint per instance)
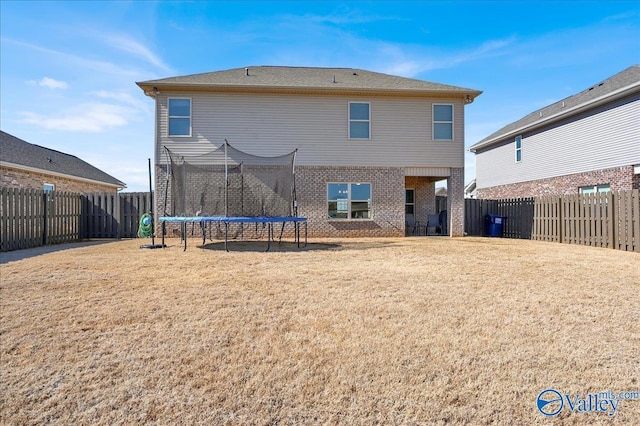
(348, 125)
(589, 141)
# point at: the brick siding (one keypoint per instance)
(619, 178)
(425, 196)
(15, 178)
(455, 202)
(387, 187)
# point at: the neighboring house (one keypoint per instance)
(394, 136)
(470, 190)
(25, 165)
(585, 143)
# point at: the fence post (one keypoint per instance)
(45, 211)
(613, 218)
(561, 213)
(117, 216)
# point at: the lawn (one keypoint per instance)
(358, 331)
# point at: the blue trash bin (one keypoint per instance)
(493, 225)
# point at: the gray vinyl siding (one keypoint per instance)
(603, 138)
(317, 126)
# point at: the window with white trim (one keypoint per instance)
(442, 122)
(48, 187)
(359, 120)
(349, 200)
(592, 189)
(518, 146)
(179, 117)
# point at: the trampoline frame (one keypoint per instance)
(226, 220)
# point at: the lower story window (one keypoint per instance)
(592, 189)
(349, 200)
(409, 201)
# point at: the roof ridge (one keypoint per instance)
(289, 77)
(612, 85)
(56, 151)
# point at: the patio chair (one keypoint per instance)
(413, 226)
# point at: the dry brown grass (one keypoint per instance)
(389, 331)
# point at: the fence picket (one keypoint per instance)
(32, 217)
(610, 220)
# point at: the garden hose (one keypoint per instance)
(145, 227)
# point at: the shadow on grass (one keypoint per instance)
(261, 246)
(291, 247)
(12, 256)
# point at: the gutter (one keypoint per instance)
(463, 93)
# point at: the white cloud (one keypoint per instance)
(409, 62)
(175, 26)
(123, 97)
(76, 60)
(49, 82)
(85, 118)
(129, 45)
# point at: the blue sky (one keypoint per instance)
(68, 69)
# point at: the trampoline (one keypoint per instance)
(269, 221)
(227, 186)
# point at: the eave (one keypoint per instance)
(6, 164)
(302, 90)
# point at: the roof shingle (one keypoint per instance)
(609, 86)
(279, 77)
(17, 151)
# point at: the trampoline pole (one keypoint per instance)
(153, 227)
(281, 232)
(226, 233)
(226, 181)
(269, 227)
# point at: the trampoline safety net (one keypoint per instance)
(229, 182)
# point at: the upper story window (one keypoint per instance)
(442, 122)
(518, 149)
(349, 200)
(179, 117)
(48, 187)
(359, 120)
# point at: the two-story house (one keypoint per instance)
(370, 146)
(588, 142)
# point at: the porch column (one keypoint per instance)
(455, 202)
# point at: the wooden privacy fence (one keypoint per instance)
(32, 218)
(519, 214)
(610, 219)
(110, 215)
